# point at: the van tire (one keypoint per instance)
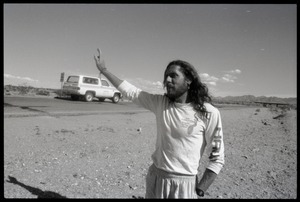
(116, 98)
(89, 96)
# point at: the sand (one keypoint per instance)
(107, 155)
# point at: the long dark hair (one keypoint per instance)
(198, 91)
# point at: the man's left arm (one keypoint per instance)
(215, 144)
(207, 179)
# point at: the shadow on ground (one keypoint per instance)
(35, 191)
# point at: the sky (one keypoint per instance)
(237, 49)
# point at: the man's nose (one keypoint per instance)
(169, 79)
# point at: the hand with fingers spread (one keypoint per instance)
(103, 70)
(100, 64)
(12, 180)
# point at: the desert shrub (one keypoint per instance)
(59, 93)
(274, 109)
(23, 90)
(43, 92)
(7, 92)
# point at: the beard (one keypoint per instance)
(173, 93)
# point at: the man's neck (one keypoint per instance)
(183, 99)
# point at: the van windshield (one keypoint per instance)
(73, 79)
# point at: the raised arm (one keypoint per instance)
(103, 70)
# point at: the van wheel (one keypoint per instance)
(89, 96)
(116, 98)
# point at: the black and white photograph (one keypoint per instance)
(138, 101)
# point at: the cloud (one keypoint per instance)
(9, 76)
(155, 87)
(229, 78)
(204, 75)
(236, 71)
(213, 83)
(206, 78)
(157, 84)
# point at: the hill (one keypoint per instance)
(250, 99)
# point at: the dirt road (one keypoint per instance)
(106, 155)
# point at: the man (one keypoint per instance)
(187, 124)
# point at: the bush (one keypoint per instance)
(43, 92)
(24, 90)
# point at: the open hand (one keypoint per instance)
(12, 180)
(100, 64)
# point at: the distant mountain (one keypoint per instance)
(248, 99)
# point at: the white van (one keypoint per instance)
(89, 87)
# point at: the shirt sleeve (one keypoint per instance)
(139, 97)
(215, 143)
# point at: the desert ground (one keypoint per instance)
(107, 155)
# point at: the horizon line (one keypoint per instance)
(268, 96)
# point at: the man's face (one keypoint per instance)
(175, 82)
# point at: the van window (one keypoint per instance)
(73, 79)
(104, 83)
(90, 80)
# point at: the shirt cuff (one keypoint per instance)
(215, 167)
(124, 86)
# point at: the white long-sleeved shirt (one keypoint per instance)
(182, 134)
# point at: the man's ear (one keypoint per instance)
(188, 82)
